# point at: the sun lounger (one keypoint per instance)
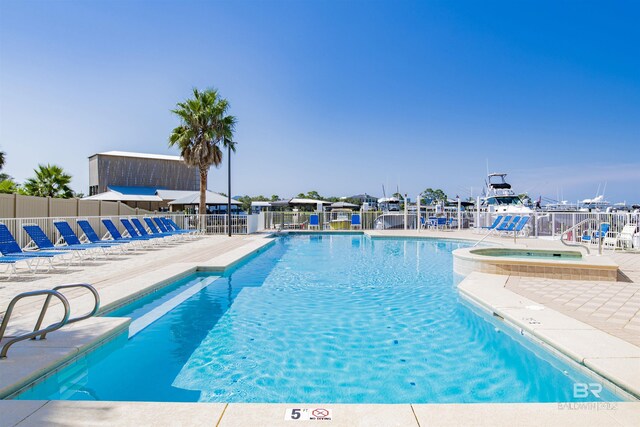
(144, 233)
(43, 243)
(153, 228)
(10, 248)
(10, 264)
(622, 240)
(314, 221)
(133, 233)
(172, 226)
(496, 222)
(91, 236)
(115, 233)
(355, 221)
(593, 237)
(72, 240)
(508, 224)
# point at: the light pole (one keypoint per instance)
(229, 188)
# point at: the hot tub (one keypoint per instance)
(548, 263)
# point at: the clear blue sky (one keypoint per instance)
(338, 97)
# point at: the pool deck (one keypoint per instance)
(595, 323)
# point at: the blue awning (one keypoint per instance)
(140, 191)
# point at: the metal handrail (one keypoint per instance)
(96, 305)
(37, 331)
(593, 220)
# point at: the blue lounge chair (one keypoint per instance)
(355, 221)
(91, 235)
(133, 233)
(156, 231)
(10, 263)
(496, 222)
(593, 237)
(10, 249)
(72, 240)
(152, 226)
(143, 231)
(43, 243)
(505, 223)
(522, 223)
(511, 225)
(516, 226)
(115, 233)
(171, 226)
(161, 224)
(176, 227)
(314, 221)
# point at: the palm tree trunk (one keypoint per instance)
(203, 197)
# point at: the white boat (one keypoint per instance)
(561, 206)
(500, 198)
(389, 204)
(597, 204)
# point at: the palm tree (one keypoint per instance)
(2, 154)
(51, 181)
(204, 127)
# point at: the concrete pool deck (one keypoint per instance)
(138, 273)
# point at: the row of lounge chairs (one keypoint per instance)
(509, 224)
(41, 251)
(610, 239)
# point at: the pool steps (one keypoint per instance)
(147, 319)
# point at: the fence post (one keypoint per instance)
(406, 212)
(459, 216)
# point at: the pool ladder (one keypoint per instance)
(38, 330)
(576, 227)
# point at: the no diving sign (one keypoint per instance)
(308, 414)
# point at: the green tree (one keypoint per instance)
(275, 197)
(205, 127)
(50, 181)
(2, 159)
(8, 186)
(431, 196)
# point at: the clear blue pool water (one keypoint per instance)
(320, 319)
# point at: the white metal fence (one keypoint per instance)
(208, 224)
(542, 224)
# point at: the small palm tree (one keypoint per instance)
(51, 181)
(204, 128)
(2, 154)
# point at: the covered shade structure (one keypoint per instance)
(215, 202)
(344, 205)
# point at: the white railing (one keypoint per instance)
(372, 220)
(211, 224)
(542, 224)
(554, 224)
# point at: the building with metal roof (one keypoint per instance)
(127, 172)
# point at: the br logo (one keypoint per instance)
(582, 390)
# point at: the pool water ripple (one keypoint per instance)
(328, 319)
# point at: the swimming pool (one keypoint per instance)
(319, 318)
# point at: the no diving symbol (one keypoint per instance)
(320, 413)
